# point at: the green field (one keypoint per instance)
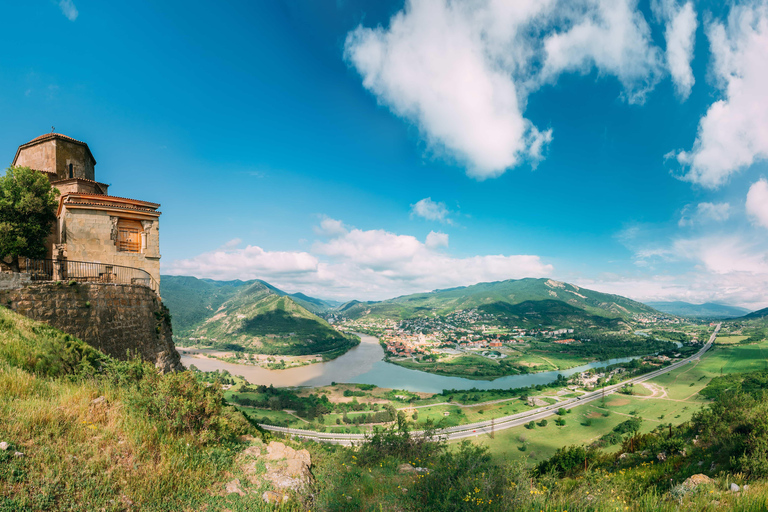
(682, 400)
(728, 340)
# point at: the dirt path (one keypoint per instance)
(656, 390)
(548, 361)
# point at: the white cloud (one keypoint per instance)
(250, 262)
(430, 210)
(733, 134)
(364, 264)
(232, 243)
(730, 268)
(68, 9)
(680, 34)
(705, 212)
(330, 227)
(462, 70)
(611, 35)
(757, 202)
(436, 239)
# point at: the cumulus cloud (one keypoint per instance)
(68, 9)
(364, 264)
(705, 212)
(250, 262)
(757, 202)
(733, 134)
(436, 239)
(730, 268)
(430, 210)
(680, 34)
(611, 35)
(330, 227)
(462, 70)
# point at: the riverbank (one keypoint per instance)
(365, 364)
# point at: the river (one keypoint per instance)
(365, 364)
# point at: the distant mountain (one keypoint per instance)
(250, 315)
(707, 310)
(755, 315)
(524, 301)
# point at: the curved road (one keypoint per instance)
(515, 420)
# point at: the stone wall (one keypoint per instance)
(117, 319)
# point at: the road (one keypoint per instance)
(515, 420)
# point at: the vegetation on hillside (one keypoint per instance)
(534, 297)
(250, 317)
(99, 434)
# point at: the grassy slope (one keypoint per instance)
(120, 454)
(238, 312)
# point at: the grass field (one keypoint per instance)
(670, 398)
(728, 340)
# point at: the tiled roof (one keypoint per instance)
(112, 205)
(107, 198)
(48, 136)
(51, 136)
(45, 171)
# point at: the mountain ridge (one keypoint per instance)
(705, 310)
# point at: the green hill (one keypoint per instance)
(755, 315)
(252, 316)
(545, 300)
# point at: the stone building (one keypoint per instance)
(92, 225)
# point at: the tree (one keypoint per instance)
(27, 213)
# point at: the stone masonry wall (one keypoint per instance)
(88, 235)
(117, 319)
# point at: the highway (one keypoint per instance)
(489, 426)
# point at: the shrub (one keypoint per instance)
(543, 423)
(397, 441)
(177, 404)
(530, 425)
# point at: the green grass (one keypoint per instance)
(728, 340)
(681, 385)
(151, 443)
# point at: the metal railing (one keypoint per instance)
(87, 272)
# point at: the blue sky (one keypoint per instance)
(371, 149)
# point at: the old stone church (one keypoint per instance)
(92, 225)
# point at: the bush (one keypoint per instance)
(543, 423)
(560, 422)
(396, 441)
(177, 404)
(530, 425)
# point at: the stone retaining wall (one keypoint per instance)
(120, 320)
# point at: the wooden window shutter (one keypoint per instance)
(129, 235)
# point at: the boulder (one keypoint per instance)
(406, 469)
(696, 480)
(662, 456)
(288, 468)
(4, 446)
(734, 487)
